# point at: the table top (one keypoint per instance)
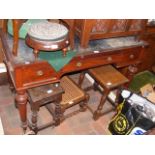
(56, 59)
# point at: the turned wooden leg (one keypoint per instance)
(35, 51)
(95, 86)
(64, 51)
(118, 92)
(82, 105)
(34, 117)
(58, 116)
(21, 98)
(81, 78)
(97, 113)
(34, 121)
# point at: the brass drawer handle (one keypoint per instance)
(109, 58)
(40, 73)
(131, 56)
(78, 64)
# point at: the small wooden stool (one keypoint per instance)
(40, 96)
(47, 36)
(63, 95)
(108, 78)
(73, 95)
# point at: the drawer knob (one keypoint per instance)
(131, 56)
(109, 58)
(40, 73)
(79, 64)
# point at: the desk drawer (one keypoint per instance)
(132, 55)
(35, 74)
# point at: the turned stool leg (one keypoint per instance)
(34, 116)
(35, 51)
(81, 78)
(64, 51)
(82, 105)
(97, 113)
(34, 121)
(58, 114)
(117, 95)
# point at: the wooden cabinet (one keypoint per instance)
(90, 29)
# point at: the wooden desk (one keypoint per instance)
(26, 75)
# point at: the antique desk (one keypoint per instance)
(25, 72)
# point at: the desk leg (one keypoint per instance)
(21, 98)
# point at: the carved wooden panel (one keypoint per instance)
(101, 25)
(119, 25)
(137, 25)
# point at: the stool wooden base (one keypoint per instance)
(60, 96)
(108, 78)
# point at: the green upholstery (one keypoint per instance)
(140, 80)
(56, 59)
(24, 28)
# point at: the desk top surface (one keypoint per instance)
(26, 56)
(25, 71)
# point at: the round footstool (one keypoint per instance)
(47, 36)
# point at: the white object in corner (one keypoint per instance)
(2, 68)
(1, 128)
(89, 78)
(112, 96)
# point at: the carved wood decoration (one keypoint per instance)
(101, 25)
(137, 25)
(119, 25)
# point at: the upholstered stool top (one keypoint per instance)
(48, 31)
